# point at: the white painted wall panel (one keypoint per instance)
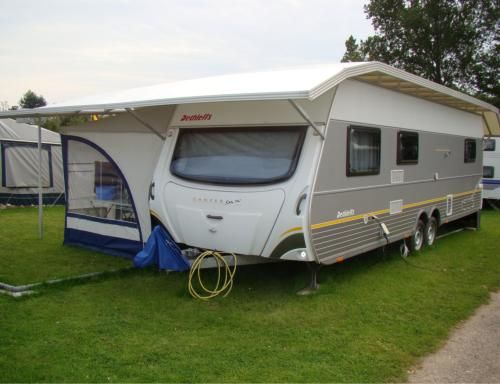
(368, 104)
(250, 113)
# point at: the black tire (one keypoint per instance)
(417, 240)
(431, 231)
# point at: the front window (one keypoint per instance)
(237, 155)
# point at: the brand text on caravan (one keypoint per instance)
(197, 117)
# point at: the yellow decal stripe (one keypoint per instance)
(347, 219)
(381, 212)
(291, 230)
(424, 202)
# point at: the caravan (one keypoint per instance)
(491, 168)
(313, 164)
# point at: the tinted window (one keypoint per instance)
(470, 151)
(237, 155)
(488, 172)
(489, 144)
(363, 155)
(407, 148)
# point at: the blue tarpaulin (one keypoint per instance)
(161, 250)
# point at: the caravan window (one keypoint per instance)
(237, 155)
(489, 144)
(363, 151)
(96, 188)
(20, 165)
(488, 172)
(470, 151)
(407, 147)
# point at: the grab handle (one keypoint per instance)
(151, 190)
(299, 202)
(214, 217)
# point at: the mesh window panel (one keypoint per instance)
(95, 187)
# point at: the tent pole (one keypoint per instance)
(40, 192)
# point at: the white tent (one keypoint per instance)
(20, 164)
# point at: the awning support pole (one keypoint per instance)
(145, 123)
(303, 113)
(40, 191)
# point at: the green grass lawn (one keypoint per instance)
(24, 258)
(371, 320)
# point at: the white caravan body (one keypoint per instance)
(301, 164)
(491, 168)
(297, 218)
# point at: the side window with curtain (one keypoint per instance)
(363, 151)
(470, 151)
(407, 147)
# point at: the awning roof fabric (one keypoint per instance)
(297, 83)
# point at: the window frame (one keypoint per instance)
(492, 172)
(302, 129)
(5, 144)
(468, 159)
(70, 211)
(399, 160)
(349, 172)
(491, 140)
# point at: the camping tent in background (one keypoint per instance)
(19, 164)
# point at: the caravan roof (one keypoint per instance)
(296, 83)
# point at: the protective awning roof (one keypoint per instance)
(297, 83)
(10, 130)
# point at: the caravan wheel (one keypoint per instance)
(431, 231)
(417, 240)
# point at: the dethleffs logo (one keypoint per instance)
(197, 117)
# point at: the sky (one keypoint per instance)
(67, 49)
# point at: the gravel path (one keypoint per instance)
(471, 355)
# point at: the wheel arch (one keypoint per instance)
(436, 213)
(421, 215)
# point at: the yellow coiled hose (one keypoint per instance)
(223, 286)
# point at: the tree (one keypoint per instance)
(57, 122)
(352, 51)
(31, 100)
(451, 42)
